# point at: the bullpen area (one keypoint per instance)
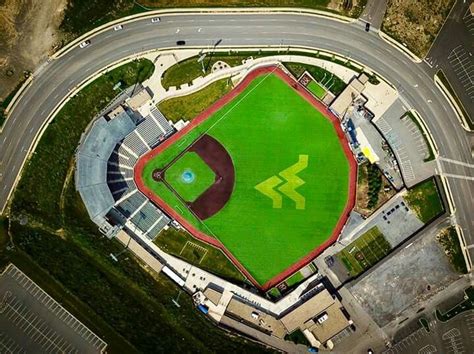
(265, 174)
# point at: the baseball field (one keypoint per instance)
(263, 173)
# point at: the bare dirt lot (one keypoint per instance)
(416, 22)
(28, 32)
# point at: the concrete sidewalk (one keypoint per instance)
(165, 60)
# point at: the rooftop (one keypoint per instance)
(304, 317)
(255, 318)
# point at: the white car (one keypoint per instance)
(118, 27)
(155, 20)
(84, 44)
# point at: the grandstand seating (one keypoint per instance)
(159, 225)
(104, 175)
(165, 127)
(135, 144)
(146, 217)
(130, 205)
(150, 131)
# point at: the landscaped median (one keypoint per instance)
(449, 239)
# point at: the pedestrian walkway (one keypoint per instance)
(166, 59)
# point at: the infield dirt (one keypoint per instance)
(265, 124)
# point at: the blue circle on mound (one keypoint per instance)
(188, 176)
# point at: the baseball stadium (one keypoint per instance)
(265, 174)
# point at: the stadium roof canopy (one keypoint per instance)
(91, 159)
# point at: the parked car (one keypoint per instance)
(84, 44)
(367, 27)
(180, 42)
(118, 27)
(155, 20)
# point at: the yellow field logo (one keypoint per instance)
(288, 188)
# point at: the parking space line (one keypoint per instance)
(463, 66)
(35, 327)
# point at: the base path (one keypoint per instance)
(142, 162)
(219, 160)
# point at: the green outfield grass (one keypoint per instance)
(316, 89)
(266, 129)
(190, 163)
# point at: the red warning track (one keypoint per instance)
(206, 114)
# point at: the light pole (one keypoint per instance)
(175, 301)
(115, 257)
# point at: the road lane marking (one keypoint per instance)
(456, 162)
(467, 178)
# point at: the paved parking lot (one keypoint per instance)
(468, 20)
(454, 336)
(416, 136)
(405, 142)
(453, 52)
(462, 62)
(32, 321)
(399, 149)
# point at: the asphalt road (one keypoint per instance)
(453, 52)
(374, 12)
(414, 82)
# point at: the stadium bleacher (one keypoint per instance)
(105, 160)
(130, 205)
(135, 143)
(150, 220)
(160, 119)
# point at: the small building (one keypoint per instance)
(139, 99)
(320, 318)
(352, 91)
(115, 112)
(180, 124)
(255, 318)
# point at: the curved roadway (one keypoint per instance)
(59, 76)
